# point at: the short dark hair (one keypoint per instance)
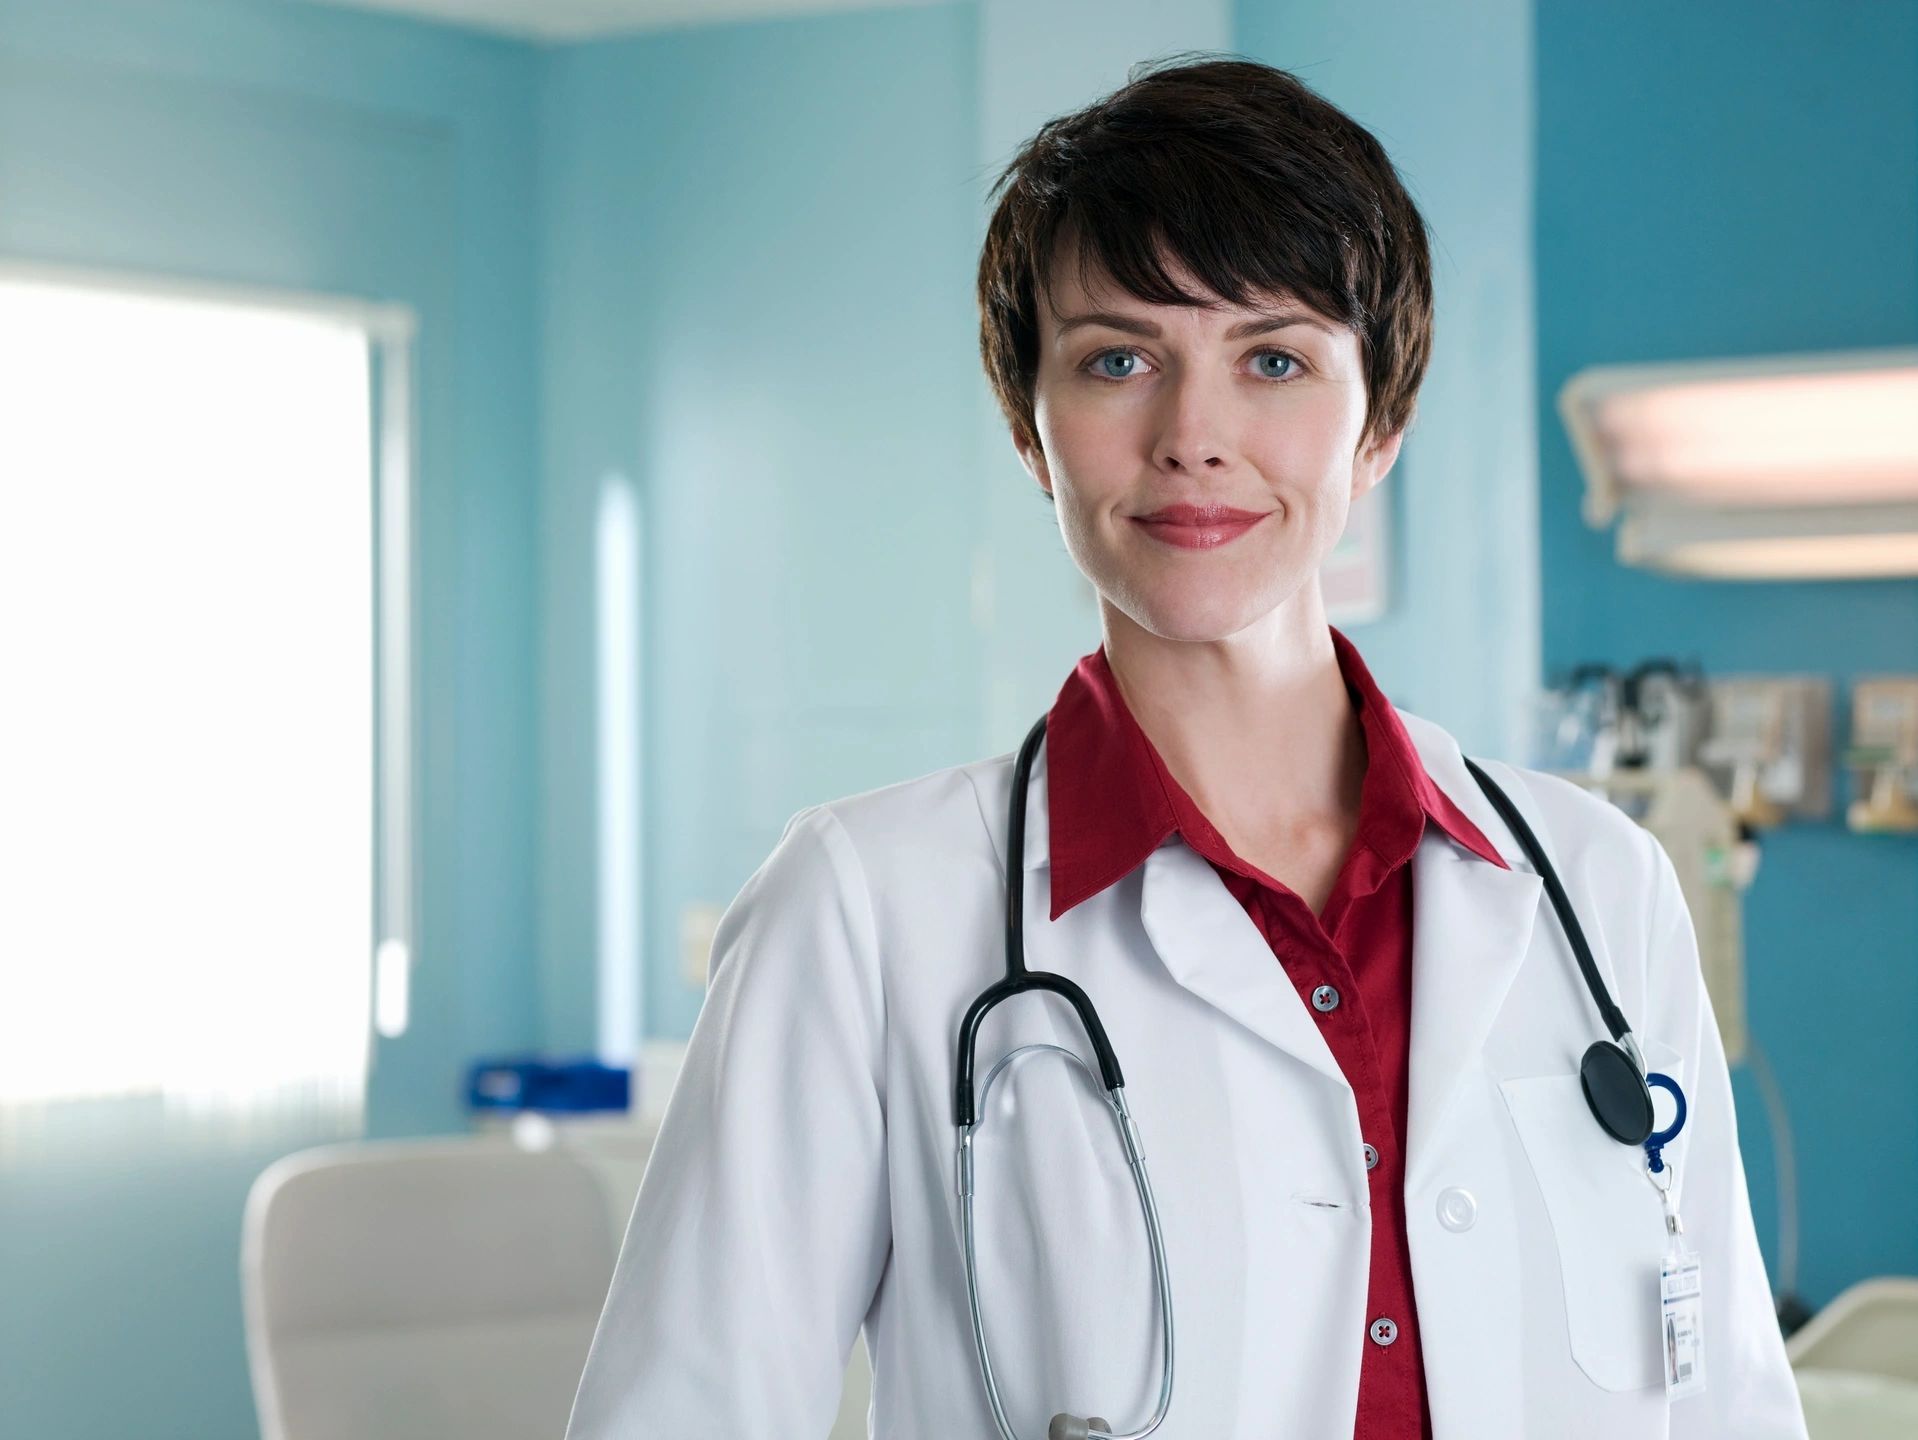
(1256, 184)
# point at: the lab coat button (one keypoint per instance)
(1325, 998)
(1457, 1209)
(1371, 1156)
(1384, 1331)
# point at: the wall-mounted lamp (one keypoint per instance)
(1778, 467)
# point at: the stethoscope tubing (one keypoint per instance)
(1616, 1084)
(1135, 1157)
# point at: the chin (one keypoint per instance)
(1192, 618)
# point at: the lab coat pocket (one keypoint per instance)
(1607, 1222)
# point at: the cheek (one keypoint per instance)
(1309, 462)
(1300, 444)
(1088, 455)
(1077, 428)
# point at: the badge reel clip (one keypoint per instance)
(1680, 1291)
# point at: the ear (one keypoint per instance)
(1034, 459)
(1375, 461)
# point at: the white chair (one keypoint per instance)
(1871, 1326)
(422, 1289)
(1856, 1362)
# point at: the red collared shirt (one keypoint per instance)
(1111, 802)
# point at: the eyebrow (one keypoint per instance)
(1264, 324)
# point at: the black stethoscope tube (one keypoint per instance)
(1613, 1074)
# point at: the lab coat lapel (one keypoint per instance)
(1472, 925)
(1207, 942)
(1213, 948)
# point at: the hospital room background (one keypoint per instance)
(470, 470)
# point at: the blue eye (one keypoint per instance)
(1098, 367)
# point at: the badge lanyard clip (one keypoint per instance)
(1655, 1162)
(1659, 1139)
(1681, 1304)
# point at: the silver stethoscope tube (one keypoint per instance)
(1135, 1157)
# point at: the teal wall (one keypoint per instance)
(756, 279)
(291, 146)
(1721, 179)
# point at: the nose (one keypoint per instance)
(1192, 429)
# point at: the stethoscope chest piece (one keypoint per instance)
(1616, 1092)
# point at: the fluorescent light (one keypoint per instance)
(1775, 467)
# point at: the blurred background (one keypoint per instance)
(470, 470)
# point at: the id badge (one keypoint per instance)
(1681, 1318)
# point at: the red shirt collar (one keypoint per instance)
(1110, 801)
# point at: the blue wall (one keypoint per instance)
(1721, 179)
(314, 149)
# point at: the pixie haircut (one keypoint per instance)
(1257, 185)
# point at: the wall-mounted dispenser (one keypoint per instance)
(1883, 755)
(1769, 746)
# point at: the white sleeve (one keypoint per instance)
(762, 1224)
(1750, 1391)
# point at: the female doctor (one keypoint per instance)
(1376, 1160)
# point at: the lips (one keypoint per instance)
(1200, 515)
(1198, 527)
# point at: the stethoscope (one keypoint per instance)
(1612, 1074)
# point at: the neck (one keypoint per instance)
(1258, 726)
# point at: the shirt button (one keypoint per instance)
(1457, 1209)
(1325, 998)
(1384, 1331)
(1371, 1156)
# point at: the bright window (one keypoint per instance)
(189, 803)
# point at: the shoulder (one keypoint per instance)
(1599, 851)
(937, 820)
(822, 899)
(1615, 873)
(1580, 831)
(1581, 821)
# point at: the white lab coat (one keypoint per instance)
(802, 1185)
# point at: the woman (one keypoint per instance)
(1349, 1015)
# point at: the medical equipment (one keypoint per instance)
(1613, 1076)
(1702, 763)
(1884, 754)
(1714, 862)
(1707, 765)
(1769, 748)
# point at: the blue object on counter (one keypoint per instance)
(559, 1085)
